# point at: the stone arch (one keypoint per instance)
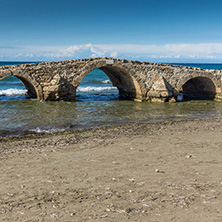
(121, 77)
(33, 88)
(198, 87)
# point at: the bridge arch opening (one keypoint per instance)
(96, 86)
(16, 88)
(199, 88)
(125, 84)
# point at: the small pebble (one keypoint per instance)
(103, 216)
(54, 215)
(158, 171)
(114, 162)
(128, 210)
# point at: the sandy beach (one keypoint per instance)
(164, 171)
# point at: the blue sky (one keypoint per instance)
(157, 30)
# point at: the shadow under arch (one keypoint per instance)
(198, 88)
(33, 89)
(126, 84)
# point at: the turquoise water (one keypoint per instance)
(97, 104)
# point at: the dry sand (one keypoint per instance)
(166, 171)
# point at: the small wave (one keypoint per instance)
(52, 130)
(96, 89)
(10, 92)
(106, 81)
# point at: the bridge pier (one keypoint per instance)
(59, 89)
(161, 91)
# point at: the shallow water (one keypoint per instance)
(19, 116)
(97, 104)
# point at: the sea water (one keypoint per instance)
(97, 103)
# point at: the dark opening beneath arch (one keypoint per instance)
(199, 88)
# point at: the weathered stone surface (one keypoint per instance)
(134, 79)
(161, 90)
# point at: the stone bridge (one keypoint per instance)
(134, 79)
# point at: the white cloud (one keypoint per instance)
(79, 51)
(203, 51)
(114, 54)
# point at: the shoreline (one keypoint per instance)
(162, 171)
(15, 136)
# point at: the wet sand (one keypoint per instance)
(164, 171)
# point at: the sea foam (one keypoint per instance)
(52, 130)
(96, 89)
(10, 92)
